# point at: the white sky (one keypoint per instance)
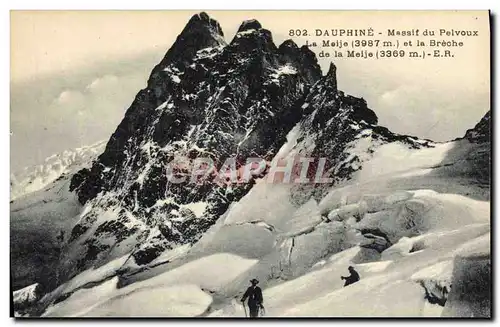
(73, 74)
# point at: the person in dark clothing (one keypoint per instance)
(255, 300)
(351, 279)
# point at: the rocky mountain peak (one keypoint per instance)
(288, 44)
(205, 99)
(202, 25)
(331, 76)
(480, 132)
(251, 24)
(211, 100)
(145, 211)
(202, 19)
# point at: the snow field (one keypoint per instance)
(178, 292)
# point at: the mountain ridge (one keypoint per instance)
(246, 98)
(217, 100)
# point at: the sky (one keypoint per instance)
(74, 73)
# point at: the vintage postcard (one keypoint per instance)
(250, 164)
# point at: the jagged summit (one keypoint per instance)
(202, 19)
(250, 39)
(332, 71)
(331, 76)
(288, 44)
(251, 36)
(303, 57)
(200, 32)
(250, 99)
(205, 99)
(251, 24)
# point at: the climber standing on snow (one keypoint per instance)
(255, 300)
(351, 279)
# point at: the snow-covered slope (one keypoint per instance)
(405, 239)
(39, 226)
(411, 215)
(42, 214)
(31, 179)
(184, 291)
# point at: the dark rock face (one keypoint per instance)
(205, 99)
(375, 242)
(471, 291)
(481, 132)
(213, 100)
(200, 32)
(435, 293)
